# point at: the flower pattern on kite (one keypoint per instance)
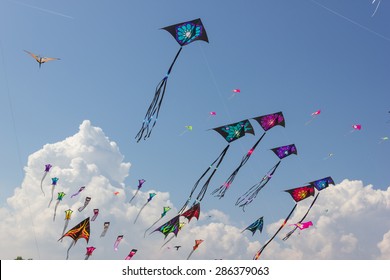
(301, 193)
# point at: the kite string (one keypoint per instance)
(17, 142)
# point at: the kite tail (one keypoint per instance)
(65, 226)
(43, 178)
(55, 210)
(304, 216)
(52, 193)
(103, 233)
(151, 226)
(220, 192)
(257, 256)
(134, 195)
(139, 212)
(204, 188)
(190, 254)
(151, 115)
(86, 257)
(251, 194)
(167, 241)
(67, 252)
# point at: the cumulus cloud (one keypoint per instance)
(350, 219)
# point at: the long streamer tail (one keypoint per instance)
(55, 210)
(142, 208)
(220, 192)
(257, 256)
(295, 228)
(189, 256)
(134, 195)
(151, 227)
(168, 241)
(151, 115)
(52, 194)
(43, 178)
(67, 252)
(65, 226)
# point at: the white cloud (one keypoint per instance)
(350, 219)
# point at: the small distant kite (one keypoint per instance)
(81, 230)
(106, 225)
(95, 214)
(197, 243)
(79, 191)
(140, 183)
(89, 252)
(177, 247)
(86, 202)
(116, 193)
(188, 128)
(212, 113)
(329, 156)
(151, 195)
(45, 172)
(313, 116)
(60, 196)
(165, 210)
(117, 241)
(356, 127)
(256, 225)
(184, 34)
(53, 184)
(384, 139)
(131, 254)
(235, 91)
(68, 214)
(41, 59)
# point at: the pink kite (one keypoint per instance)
(304, 225)
(131, 254)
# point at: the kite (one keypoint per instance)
(266, 122)
(60, 196)
(313, 116)
(356, 127)
(81, 230)
(151, 195)
(188, 128)
(140, 183)
(329, 156)
(53, 184)
(87, 200)
(256, 225)
(89, 252)
(194, 211)
(177, 247)
(181, 225)
(384, 139)
(79, 191)
(212, 113)
(184, 33)
(304, 225)
(173, 225)
(165, 210)
(282, 152)
(118, 240)
(304, 192)
(230, 133)
(116, 193)
(131, 254)
(68, 214)
(235, 91)
(377, 6)
(47, 169)
(95, 214)
(257, 256)
(197, 243)
(106, 225)
(41, 59)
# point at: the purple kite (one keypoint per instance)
(79, 191)
(140, 183)
(47, 169)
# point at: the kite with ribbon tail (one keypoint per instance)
(89, 252)
(266, 122)
(197, 243)
(86, 202)
(95, 214)
(151, 195)
(256, 225)
(304, 192)
(60, 196)
(165, 210)
(131, 254)
(106, 225)
(53, 184)
(282, 152)
(79, 191)
(68, 214)
(140, 183)
(184, 33)
(45, 172)
(81, 230)
(117, 241)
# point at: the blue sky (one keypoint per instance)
(291, 56)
